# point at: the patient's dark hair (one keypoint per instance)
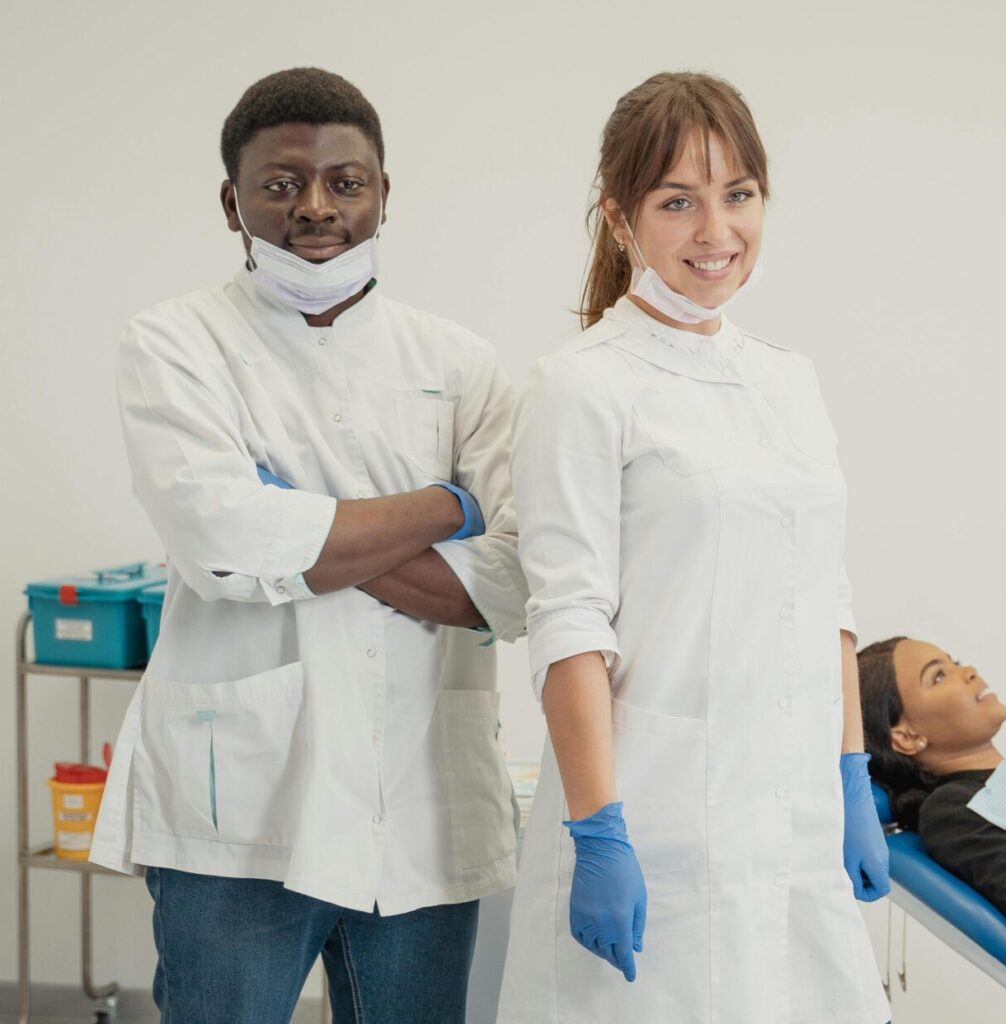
(301, 96)
(907, 785)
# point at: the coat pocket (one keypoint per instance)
(660, 775)
(797, 404)
(222, 761)
(474, 778)
(426, 432)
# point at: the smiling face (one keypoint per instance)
(315, 190)
(700, 233)
(950, 713)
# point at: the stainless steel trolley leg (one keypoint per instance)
(86, 945)
(23, 920)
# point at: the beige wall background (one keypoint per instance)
(884, 126)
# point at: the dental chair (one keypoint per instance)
(941, 902)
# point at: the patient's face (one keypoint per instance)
(947, 703)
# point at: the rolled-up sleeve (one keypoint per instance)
(229, 536)
(567, 470)
(488, 566)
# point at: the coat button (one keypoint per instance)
(377, 819)
(783, 702)
(371, 652)
(281, 589)
(323, 340)
(728, 371)
(786, 522)
(785, 612)
(337, 418)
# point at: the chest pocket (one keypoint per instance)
(691, 431)
(795, 401)
(426, 434)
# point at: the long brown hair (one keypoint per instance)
(906, 783)
(643, 138)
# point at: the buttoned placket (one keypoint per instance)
(330, 361)
(786, 734)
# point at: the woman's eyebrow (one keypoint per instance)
(681, 187)
(928, 665)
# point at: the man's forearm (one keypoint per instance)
(427, 589)
(373, 536)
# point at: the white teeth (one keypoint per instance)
(718, 265)
(984, 694)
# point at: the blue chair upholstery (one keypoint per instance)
(955, 901)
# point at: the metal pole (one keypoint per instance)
(24, 924)
(85, 719)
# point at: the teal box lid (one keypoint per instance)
(153, 594)
(122, 583)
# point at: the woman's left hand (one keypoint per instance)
(864, 848)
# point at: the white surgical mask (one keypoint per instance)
(649, 286)
(310, 287)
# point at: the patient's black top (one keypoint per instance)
(963, 842)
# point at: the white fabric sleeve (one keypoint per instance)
(198, 483)
(567, 474)
(845, 616)
(488, 566)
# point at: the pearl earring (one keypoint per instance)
(921, 745)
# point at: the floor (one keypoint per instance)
(59, 1004)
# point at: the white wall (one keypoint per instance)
(884, 126)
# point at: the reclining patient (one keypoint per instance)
(929, 723)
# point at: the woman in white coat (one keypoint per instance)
(704, 804)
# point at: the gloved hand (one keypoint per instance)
(607, 903)
(864, 849)
(474, 525)
(267, 478)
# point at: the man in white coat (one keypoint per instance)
(311, 765)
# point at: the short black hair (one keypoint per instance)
(302, 96)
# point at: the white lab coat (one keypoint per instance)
(682, 510)
(354, 749)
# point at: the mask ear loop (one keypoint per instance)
(634, 247)
(241, 221)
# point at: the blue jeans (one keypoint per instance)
(237, 951)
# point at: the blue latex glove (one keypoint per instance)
(864, 849)
(474, 525)
(607, 902)
(267, 478)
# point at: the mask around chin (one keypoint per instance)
(310, 288)
(649, 286)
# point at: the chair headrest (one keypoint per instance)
(883, 803)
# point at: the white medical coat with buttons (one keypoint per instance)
(681, 509)
(330, 742)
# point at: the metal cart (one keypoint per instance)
(104, 996)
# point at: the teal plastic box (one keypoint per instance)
(151, 603)
(92, 619)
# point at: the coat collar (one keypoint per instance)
(728, 357)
